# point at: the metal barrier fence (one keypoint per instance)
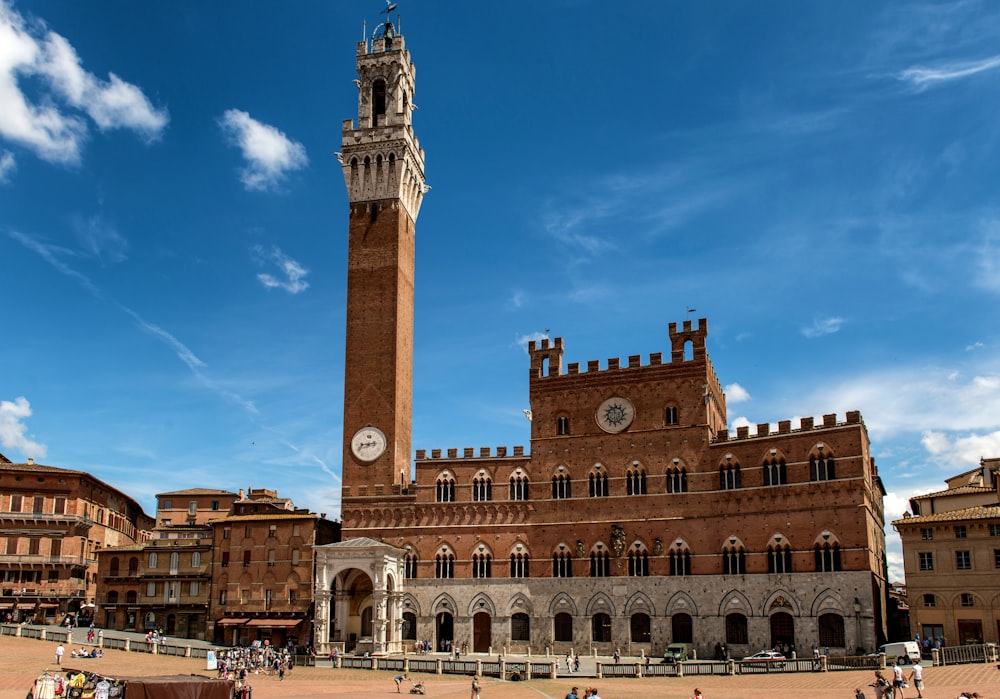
(958, 655)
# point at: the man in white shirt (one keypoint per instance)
(917, 678)
(897, 680)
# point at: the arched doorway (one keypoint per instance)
(481, 632)
(445, 631)
(782, 629)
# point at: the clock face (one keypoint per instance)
(368, 443)
(615, 414)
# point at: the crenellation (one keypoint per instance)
(763, 429)
(613, 363)
(453, 453)
(484, 452)
(573, 368)
(518, 451)
(593, 365)
(634, 361)
(784, 426)
(806, 423)
(421, 454)
(742, 432)
(468, 453)
(656, 359)
(830, 420)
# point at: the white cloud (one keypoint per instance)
(741, 421)
(961, 452)
(293, 271)
(736, 394)
(99, 239)
(7, 166)
(13, 430)
(923, 77)
(822, 326)
(523, 340)
(269, 153)
(44, 125)
(974, 346)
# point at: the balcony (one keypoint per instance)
(79, 523)
(43, 560)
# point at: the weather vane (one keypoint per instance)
(385, 29)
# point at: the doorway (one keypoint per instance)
(445, 631)
(482, 635)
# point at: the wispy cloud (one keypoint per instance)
(822, 326)
(48, 126)
(923, 77)
(99, 239)
(7, 166)
(268, 152)
(182, 352)
(293, 283)
(52, 254)
(13, 430)
(736, 394)
(523, 340)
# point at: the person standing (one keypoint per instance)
(476, 688)
(60, 651)
(917, 678)
(572, 694)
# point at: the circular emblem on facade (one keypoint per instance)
(615, 414)
(368, 443)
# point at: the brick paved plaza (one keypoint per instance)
(21, 660)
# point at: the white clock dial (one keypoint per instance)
(615, 414)
(368, 443)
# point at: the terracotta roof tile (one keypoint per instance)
(991, 511)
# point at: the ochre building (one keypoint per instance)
(635, 519)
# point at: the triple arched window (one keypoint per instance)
(677, 480)
(635, 480)
(598, 484)
(445, 490)
(482, 488)
(560, 486)
(519, 487)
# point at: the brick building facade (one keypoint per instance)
(53, 524)
(635, 520)
(951, 554)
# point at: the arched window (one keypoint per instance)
(444, 565)
(560, 486)
(519, 487)
(636, 480)
(598, 484)
(600, 564)
(827, 558)
(366, 622)
(831, 630)
(730, 477)
(175, 561)
(682, 628)
(639, 627)
(131, 596)
(133, 566)
(482, 565)
(563, 627)
(562, 425)
(410, 565)
(680, 561)
(775, 471)
(520, 627)
(562, 564)
(822, 467)
(445, 488)
(113, 597)
(113, 567)
(378, 102)
(677, 480)
(638, 562)
(409, 626)
(482, 488)
(152, 559)
(736, 629)
(601, 628)
(670, 415)
(779, 558)
(734, 560)
(519, 565)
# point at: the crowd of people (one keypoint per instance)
(238, 664)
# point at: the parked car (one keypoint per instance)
(675, 652)
(766, 657)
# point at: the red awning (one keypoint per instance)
(231, 622)
(274, 623)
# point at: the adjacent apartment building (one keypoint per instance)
(54, 522)
(951, 554)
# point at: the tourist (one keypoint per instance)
(398, 679)
(917, 678)
(594, 694)
(697, 694)
(476, 688)
(60, 651)
(572, 694)
(897, 680)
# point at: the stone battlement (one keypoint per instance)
(853, 417)
(470, 453)
(546, 356)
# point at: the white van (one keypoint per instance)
(905, 651)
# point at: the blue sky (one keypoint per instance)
(819, 180)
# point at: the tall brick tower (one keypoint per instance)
(384, 172)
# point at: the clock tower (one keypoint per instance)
(384, 171)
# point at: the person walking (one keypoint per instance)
(60, 651)
(897, 680)
(476, 688)
(917, 678)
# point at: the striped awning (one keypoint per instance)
(231, 621)
(274, 623)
